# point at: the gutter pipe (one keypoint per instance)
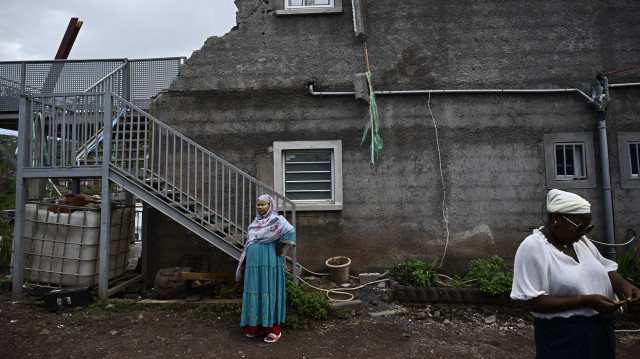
(599, 106)
(607, 199)
(600, 100)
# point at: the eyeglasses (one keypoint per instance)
(580, 228)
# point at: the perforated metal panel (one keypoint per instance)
(10, 86)
(138, 80)
(150, 77)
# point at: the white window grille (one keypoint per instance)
(309, 173)
(570, 161)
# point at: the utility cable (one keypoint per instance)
(444, 189)
(616, 244)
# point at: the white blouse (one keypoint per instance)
(542, 269)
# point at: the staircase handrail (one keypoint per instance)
(93, 142)
(108, 76)
(159, 168)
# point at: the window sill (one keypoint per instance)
(309, 11)
(318, 206)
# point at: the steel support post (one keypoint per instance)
(24, 143)
(105, 207)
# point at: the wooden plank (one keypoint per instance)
(204, 276)
(125, 284)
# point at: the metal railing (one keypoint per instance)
(187, 177)
(135, 80)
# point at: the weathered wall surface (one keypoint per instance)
(171, 246)
(241, 92)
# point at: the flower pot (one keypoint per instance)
(338, 269)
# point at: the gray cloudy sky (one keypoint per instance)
(134, 29)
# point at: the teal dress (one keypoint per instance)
(263, 300)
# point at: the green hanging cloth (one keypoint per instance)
(376, 140)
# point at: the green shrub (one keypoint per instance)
(629, 265)
(493, 277)
(415, 273)
(456, 281)
(304, 306)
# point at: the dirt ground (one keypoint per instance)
(374, 330)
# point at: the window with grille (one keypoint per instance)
(306, 7)
(570, 161)
(309, 173)
(297, 4)
(629, 159)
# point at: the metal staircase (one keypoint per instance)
(100, 134)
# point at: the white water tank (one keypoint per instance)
(62, 249)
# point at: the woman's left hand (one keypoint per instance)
(621, 285)
(631, 292)
(279, 249)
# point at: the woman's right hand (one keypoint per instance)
(599, 303)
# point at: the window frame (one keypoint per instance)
(624, 140)
(550, 143)
(301, 7)
(281, 8)
(279, 150)
(582, 165)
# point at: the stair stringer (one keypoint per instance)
(134, 187)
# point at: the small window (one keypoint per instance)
(569, 160)
(301, 4)
(309, 173)
(306, 7)
(629, 159)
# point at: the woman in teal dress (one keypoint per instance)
(262, 261)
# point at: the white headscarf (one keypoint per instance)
(566, 202)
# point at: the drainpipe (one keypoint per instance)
(599, 101)
(464, 91)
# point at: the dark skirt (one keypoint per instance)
(575, 337)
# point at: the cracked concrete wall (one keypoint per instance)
(247, 89)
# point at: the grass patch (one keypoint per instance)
(212, 311)
(102, 307)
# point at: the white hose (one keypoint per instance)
(342, 291)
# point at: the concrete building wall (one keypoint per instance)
(480, 154)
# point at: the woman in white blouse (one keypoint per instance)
(567, 285)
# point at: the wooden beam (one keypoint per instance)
(68, 39)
